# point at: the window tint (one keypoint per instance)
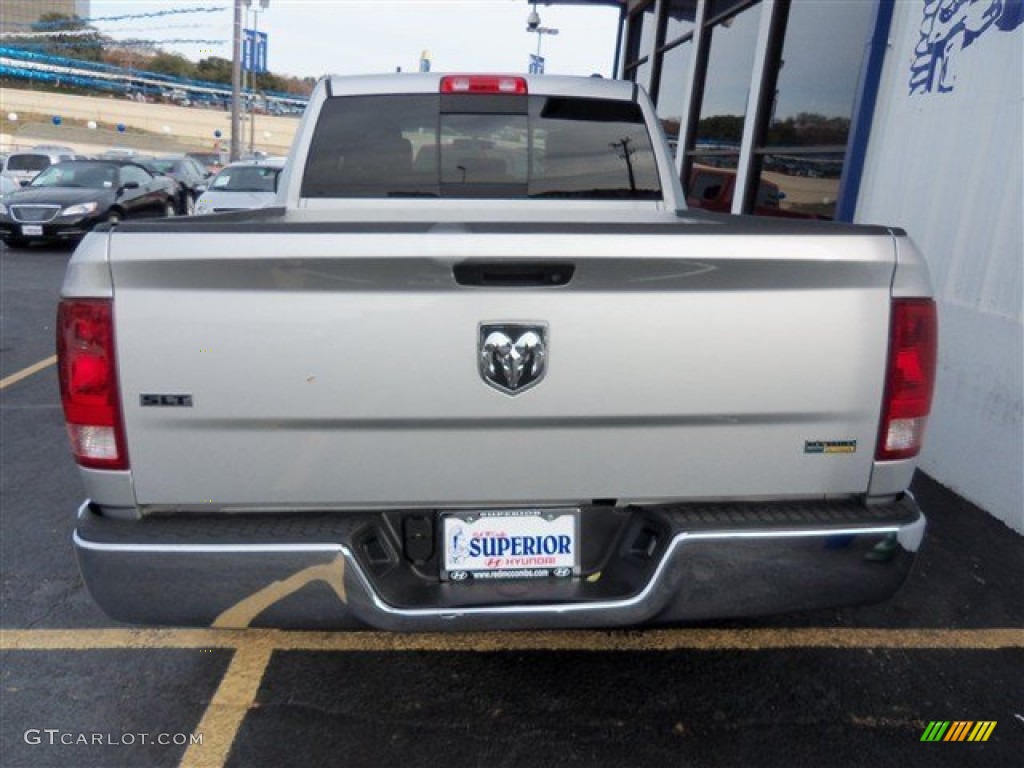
(364, 146)
(495, 151)
(591, 148)
(480, 146)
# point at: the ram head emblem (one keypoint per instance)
(513, 357)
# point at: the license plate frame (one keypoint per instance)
(506, 545)
(32, 230)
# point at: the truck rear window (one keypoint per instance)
(481, 146)
(28, 162)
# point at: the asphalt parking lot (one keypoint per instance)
(859, 686)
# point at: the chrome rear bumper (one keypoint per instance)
(717, 561)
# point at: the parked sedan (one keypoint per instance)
(242, 185)
(191, 175)
(65, 201)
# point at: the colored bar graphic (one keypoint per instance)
(958, 730)
(982, 731)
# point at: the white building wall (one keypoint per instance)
(945, 163)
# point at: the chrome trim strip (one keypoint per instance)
(97, 546)
(788, 534)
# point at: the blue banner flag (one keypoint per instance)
(254, 51)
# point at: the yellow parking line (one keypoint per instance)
(24, 373)
(227, 709)
(583, 640)
(253, 648)
(104, 639)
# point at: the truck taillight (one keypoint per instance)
(502, 84)
(88, 382)
(910, 378)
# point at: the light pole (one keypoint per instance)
(533, 26)
(541, 31)
(264, 4)
(236, 81)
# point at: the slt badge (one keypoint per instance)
(513, 356)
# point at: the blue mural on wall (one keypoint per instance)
(948, 28)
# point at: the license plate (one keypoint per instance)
(511, 544)
(28, 230)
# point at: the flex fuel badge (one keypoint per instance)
(830, 446)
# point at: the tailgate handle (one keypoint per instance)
(517, 274)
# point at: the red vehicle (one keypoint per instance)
(712, 189)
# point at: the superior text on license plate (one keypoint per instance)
(510, 544)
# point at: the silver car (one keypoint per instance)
(8, 184)
(242, 185)
(25, 166)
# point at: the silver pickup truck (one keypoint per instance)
(480, 368)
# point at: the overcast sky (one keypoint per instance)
(315, 37)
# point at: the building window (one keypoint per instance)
(757, 96)
(642, 29)
(710, 168)
(717, 9)
(801, 149)
(681, 17)
(674, 58)
(675, 74)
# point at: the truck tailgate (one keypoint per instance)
(338, 371)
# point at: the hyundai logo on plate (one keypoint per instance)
(513, 356)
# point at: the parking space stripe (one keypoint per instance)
(24, 373)
(104, 639)
(227, 709)
(253, 649)
(582, 640)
